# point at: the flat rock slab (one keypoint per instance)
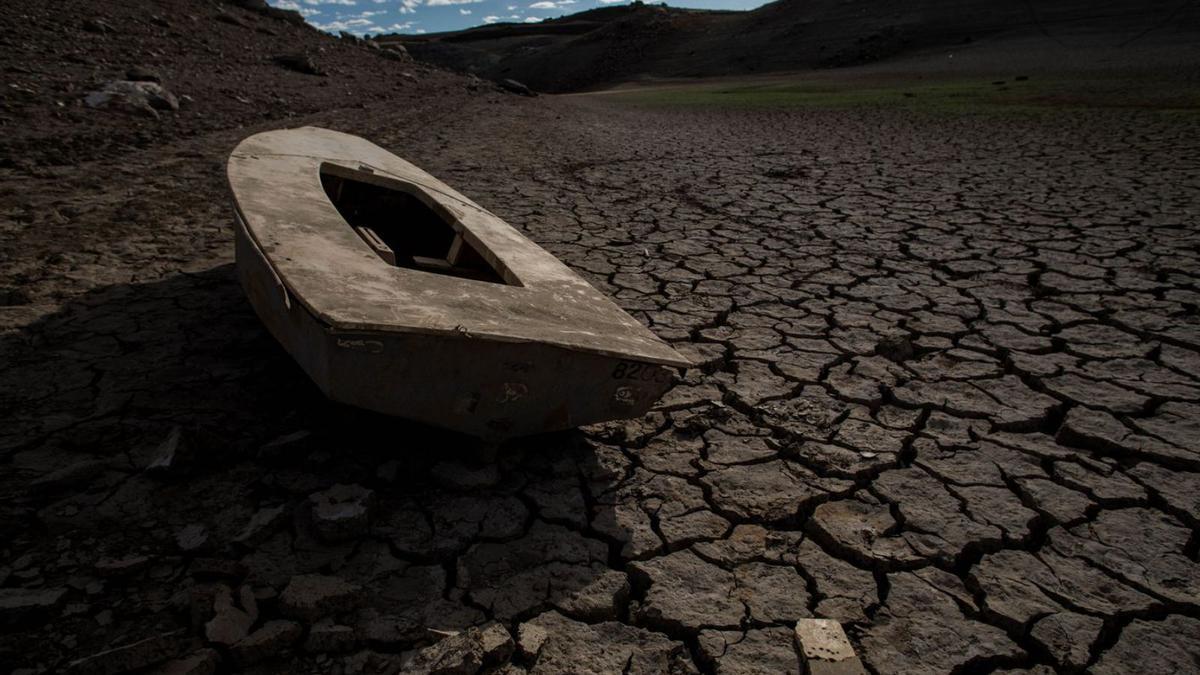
(824, 649)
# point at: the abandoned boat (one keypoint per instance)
(397, 294)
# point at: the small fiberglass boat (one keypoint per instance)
(397, 294)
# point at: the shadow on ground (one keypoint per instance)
(161, 447)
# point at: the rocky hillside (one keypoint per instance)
(88, 78)
(617, 44)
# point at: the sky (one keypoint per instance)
(433, 16)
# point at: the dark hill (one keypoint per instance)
(614, 44)
(223, 64)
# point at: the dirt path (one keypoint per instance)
(948, 383)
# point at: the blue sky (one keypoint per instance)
(433, 16)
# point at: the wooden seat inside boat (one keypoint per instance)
(404, 226)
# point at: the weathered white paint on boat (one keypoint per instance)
(542, 351)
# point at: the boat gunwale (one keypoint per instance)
(649, 347)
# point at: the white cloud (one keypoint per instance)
(409, 6)
(295, 7)
(330, 2)
(348, 25)
(610, 2)
(396, 27)
(439, 3)
(511, 7)
(464, 12)
(491, 19)
(545, 4)
(532, 19)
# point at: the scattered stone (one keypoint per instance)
(342, 512)
(824, 649)
(147, 98)
(267, 642)
(310, 597)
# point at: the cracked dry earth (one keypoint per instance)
(947, 392)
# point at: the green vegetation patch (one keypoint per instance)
(956, 96)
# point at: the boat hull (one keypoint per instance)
(484, 387)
